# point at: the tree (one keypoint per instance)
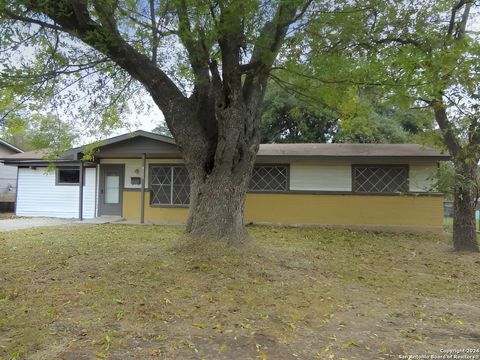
(225, 53)
(448, 60)
(445, 179)
(287, 118)
(366, 116)
(424, 55)
(36, 132)
(162, 129)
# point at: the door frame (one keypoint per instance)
(101, 187)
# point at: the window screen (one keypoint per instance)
(170, 185)
(380, 179)
(269, 178)
(68, 176)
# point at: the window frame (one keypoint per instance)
(404, 166)
(57, 176)
(171, 205)
(287, 185)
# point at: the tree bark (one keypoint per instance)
(217, 206)
(220, 174)
(464, 229)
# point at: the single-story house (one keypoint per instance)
(140, 177)
(8, 177)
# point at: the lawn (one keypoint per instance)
(138, 292)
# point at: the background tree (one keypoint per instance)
(289, 118)
(37, 131)
(205, 64)
(368, 116)
(364, 116)
(162, 129)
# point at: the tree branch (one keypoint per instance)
(451, 25)
(460, 34)
(197, 52)
(445, 126)
(30, 20)
(74, 18)
(400, 40)
(155, 40)
(266, 48)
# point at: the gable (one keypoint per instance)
(135, 147)
(4, 150)
(8, 149)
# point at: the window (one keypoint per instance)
(380, 179)
(170, 185)
(269, 178)
(67, 176)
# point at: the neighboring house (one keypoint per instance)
(8, 177)
(354, 185)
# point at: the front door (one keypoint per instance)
(111, 190)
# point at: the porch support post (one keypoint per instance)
(80, 193)
(142, 193)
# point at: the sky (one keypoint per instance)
(145, 122)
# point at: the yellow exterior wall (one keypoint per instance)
(167, 215)
(361, 210)
(370, 211)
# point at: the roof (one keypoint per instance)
(123, 137)
(305, 151)
(350, 150)
(28, 155)
(10, 146)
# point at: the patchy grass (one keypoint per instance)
(138, 292)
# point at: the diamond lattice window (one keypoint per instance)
(269, 178)
(380, 179)
(170, 185)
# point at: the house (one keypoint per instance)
(140, 177)
(8, 177)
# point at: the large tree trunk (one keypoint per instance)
(217, 205)
(220, 170)
(464, 230)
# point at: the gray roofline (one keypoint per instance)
(291, 151)
(10, 146)
(46, 163)
(120, 138)
(354, 157)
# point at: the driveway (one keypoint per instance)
(19, 223)
(26, 223)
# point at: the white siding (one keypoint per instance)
(422, 177)
(321, 176)
(38, 195)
